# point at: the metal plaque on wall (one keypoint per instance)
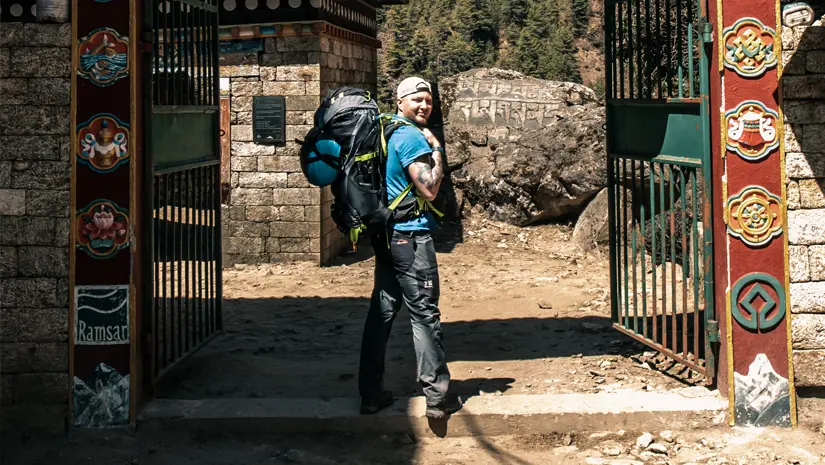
(269, 119)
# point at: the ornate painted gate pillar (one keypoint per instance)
(752, 248)
(104, 260)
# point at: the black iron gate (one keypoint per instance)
(181, 190)
(659, 185)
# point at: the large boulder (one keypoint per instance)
(523, 148)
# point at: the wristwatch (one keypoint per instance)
(438, 149)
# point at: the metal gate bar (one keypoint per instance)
(182, 120)
(658, 161)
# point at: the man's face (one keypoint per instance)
(416, 107)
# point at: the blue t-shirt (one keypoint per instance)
(404, 147)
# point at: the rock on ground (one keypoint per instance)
(525, 149)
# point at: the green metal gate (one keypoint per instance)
(658, 144)
(181, 174)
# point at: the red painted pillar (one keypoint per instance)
(751, 246)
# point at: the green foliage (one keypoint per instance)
(440, 38)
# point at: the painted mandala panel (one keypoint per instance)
(103, 142)
(751, 130)
(749, 46)
(104, 57)
(754, 216)
(102, 229)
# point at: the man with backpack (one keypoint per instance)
(406, 271)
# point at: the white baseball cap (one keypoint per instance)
(412, 85)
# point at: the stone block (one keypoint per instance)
(808, 297)
(297, 180)
(793, 62)
(805, 165)
(29, 292)
(270, 45)
(806, 227)
(244, 245)
(14, 91)
(798, 259)
(12, 202)
(36, 34)
(41, 388)
(298, 117)
(299, 73)
(34, 324)
(793, 137)
(251, 149)
(243, 118)
(24, 230)
(294, 229)
(808, 331)
(814, 61)
(813, 138)
(241, 104)
(296, 58)
(262, 214)
(290, 149)
(793, 196)
(312, 213)
(50, 262)
(63, 293)
(241, 196)
(234, 180)
(34, 121)
(8, 262)
(248, 229)
(295, 257)
(810, 193)
(809, 368)
(50, 91)
(804, 111)
(789, 41)
(279, 164)
(292, 213)
(5, 175)
(816, 262)
(301, 197)
(315, 245)
(272, 61)
(298, 44)
(295, 245)
(48, 203)
(294, 132)
(810, 38)
(61, 232)
(241, 133)
(244, 163)
(274, 180)
(285, 88)
(40, 62)
(273, 244)
(30, 357)
(246, 88)
(5, 64)
(40, 175)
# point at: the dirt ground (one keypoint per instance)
(523, 312)
(717, 446)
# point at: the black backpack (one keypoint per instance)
(348, 145)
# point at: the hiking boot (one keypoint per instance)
(372, 405)
(448, 407)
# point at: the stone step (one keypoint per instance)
(685, 409)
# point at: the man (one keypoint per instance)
(406, 271)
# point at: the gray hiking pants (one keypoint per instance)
(405, 273)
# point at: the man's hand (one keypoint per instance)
(431, 139)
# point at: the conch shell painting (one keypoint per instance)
(752, 130)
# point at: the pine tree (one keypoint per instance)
(559, 62)
(518, 10)
(581, 17)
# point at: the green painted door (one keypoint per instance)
(658, 161)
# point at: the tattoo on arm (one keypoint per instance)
(429, 176)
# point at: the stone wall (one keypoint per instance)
(804, 109)
(272, 214)
(35, 63)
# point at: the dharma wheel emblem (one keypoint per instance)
(754, 216)
(752, 130)
(749, 47)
